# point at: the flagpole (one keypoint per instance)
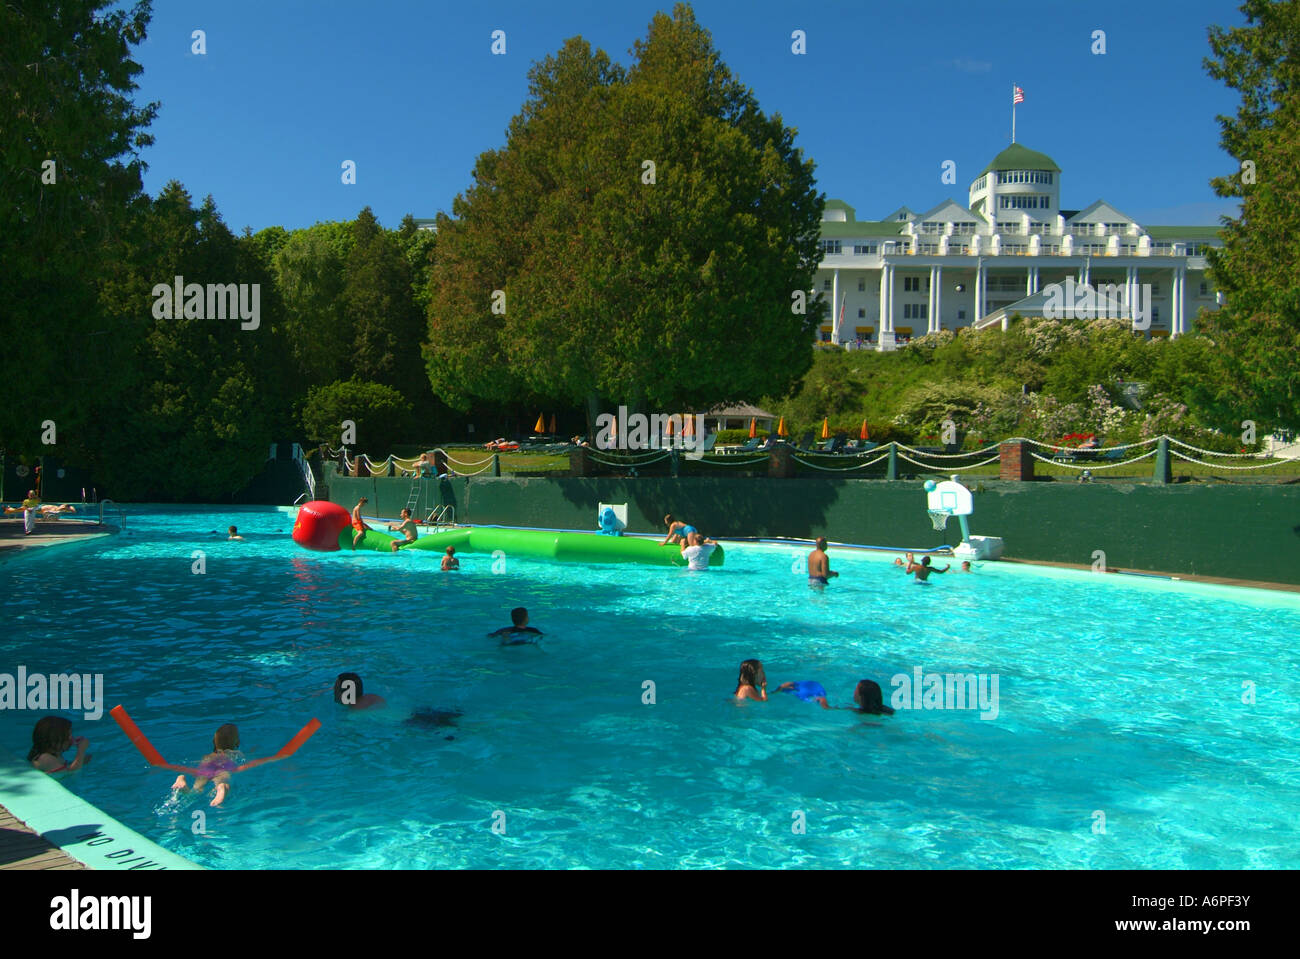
(1013, 113)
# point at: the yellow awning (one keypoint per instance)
(905, 330)
(865, 329)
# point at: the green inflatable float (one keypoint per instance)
(564, 547)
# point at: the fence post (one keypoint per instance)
(781, 463)
(580, 461)
(496, 464)
(1015, 461)
(1162, 474)
(675, 463)
(891, 473)
(440, 462)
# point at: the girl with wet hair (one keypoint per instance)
(51, 738)
(752, 682)
(869, 699)
(348, 692)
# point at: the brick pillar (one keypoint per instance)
(1016, 463)
(780, 462)
(580, 461)
(440, 462)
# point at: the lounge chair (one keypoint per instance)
(750, 447)
(806, 443)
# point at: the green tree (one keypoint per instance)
(1257, 332)
(377, 411)
(378, 302)
(66, 80)
(614, 285)
(309, 275)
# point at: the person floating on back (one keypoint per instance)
(519, 632)
(697, 550)
(677, 530)
(406, 527)
(51, 738)
(450, 561)
(923, 569)
(348, 692)
(358, 523)
(819, 565)
(752, 682)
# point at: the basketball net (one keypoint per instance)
(939, 517)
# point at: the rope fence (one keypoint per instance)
(1091, 459)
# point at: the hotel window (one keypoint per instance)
(1081, 229)
(964, 228)
(830, 246)
(861, 313)
(929, 249)
(861, 250)
(862, 286)
(1155, 289)
(1128, 249)
(956, 248)
(1006, 226)
(1155, 314)
(911, 284)
(1205, 289)
(1162, 249)
(931, 226)
(961, 315)
(1116, 227)
(826, 284)
(1196, 249)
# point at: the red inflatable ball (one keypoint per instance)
(319, 524)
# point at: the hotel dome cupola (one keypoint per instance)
(1017, 182)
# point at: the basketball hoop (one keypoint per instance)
(939, 517)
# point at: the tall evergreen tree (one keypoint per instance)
(648, 229)
(69, 161)
(1257, 332)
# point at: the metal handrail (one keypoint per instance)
(301, 497)
(439, 516)
(120, 514)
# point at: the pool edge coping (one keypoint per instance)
(49, 808)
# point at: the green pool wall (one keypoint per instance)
(1249, 532)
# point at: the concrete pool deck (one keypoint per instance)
(48, 533)
(44, 825)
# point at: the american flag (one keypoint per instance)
(1018, 96)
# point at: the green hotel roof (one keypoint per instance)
(1183, 232)
(1017, 157)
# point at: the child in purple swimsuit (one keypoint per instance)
(217, 765)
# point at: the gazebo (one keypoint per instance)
(737, 417)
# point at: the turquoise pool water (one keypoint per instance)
(1116, 696)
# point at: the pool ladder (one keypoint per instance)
(444, 515)
(121, 516)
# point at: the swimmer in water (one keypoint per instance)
(752, 682)
(808, 691)
(234, 534)
(51, 738)
(923, 569)
(519, 632)
(965, 566)
(216, 766)
(867, 699)
(819, 565)
(450, 562)
(348, 692)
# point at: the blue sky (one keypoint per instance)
(409, 90)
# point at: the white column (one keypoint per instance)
(886, 340)
(1130, 289)
(981, 281)
(1033, 280)
(1085, 272)
(884, 299)
(835, 307)
(936, 294)
(1178, 326)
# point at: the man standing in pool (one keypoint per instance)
(819, 565)
(923, 569)
(696, 550)
(358, 523)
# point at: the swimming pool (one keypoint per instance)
(1123, 698)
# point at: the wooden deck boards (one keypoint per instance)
(21, 848)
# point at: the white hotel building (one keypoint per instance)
(975, 265)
